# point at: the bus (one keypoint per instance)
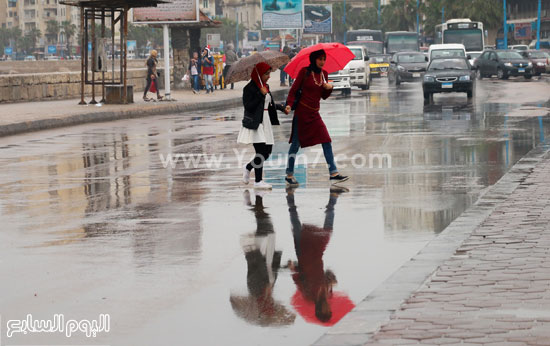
(401, 41)
(463, 31)
(372, 39)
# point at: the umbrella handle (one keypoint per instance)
(259, 78)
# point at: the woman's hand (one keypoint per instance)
(287, 109)
(153, 76)
(264, 91)
(327, 86)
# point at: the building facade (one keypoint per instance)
(522, 18)
(30, 14)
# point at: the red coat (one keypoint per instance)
(311, 128)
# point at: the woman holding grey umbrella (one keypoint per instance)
(260, 113)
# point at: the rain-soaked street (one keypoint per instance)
(93, 223)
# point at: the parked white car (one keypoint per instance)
(447, 51)
(359, 67)
(341, 81)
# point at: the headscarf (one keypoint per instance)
(259, 70)
(312, 60)
(208, 54)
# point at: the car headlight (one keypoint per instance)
(530, 64)
(464, 78)
(429, 78)
(541, 64)
(401, 68)
(508, 64)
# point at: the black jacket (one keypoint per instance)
(254, 101)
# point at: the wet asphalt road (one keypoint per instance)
(92, 223)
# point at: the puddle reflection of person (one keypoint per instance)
(312, 280)
(263, 263)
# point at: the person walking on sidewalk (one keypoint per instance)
(308, 128)
(230, 59)
(260, 113)
(194, 69)
(151, 64)
(208, 69)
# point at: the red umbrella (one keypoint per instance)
(340, 305)
(338, 56)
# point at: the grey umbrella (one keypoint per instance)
(241, 70)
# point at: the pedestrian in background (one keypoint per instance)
(260, 112)
(230, 59)
(194, 69)
(151, 64)
(308, 128)
(208, 69)
(283, 74)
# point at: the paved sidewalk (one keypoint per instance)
(18, 118)
(494, 289)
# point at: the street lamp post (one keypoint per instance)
(237, 30)
(505, 28)
(379, 11)
(345, 30)
(443, 15)
(538, 26)
(417, 17)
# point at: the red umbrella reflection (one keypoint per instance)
(339, 303)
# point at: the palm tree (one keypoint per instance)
(52, 30)
(69, 29)
(30, 39)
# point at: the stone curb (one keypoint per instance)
(94, 117)
(375, 310)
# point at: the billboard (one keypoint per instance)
(213, 40)
(318, 19)
(8, 50)
(282, 15)
(52, 49)
(177, 11)
(522, 31)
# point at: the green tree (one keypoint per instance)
(52, 31)
(29, 41)
(69, 29)
(227, 31)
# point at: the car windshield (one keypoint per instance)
(474, 55)
(411, 58)
(448, 53)
(509, 55)
(539, 55)
(448, 64)
(521, 47)
(379, 59)
(357, 52)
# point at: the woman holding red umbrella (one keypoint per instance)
(308, 128)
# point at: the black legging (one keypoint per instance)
(262, 153)
(149, 82)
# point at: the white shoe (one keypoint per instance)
(262, 185)
(246, 175)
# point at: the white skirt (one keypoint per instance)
(263, 134)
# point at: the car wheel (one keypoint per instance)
(501, 74)
(397, 80)
(470, 94)
(427, 97)
(527, 76)
(479, 74)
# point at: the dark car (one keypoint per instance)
(407, 67)
(503, 63)
(540, 60)
(448, 75)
